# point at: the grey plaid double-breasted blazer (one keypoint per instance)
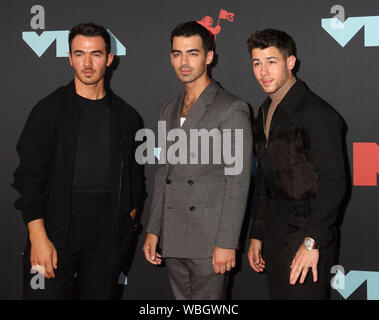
(196, 207)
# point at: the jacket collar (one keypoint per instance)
(208, 94)
(70, 93)
(291, 100)
(198, 109)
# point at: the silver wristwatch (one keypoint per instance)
(309, 243)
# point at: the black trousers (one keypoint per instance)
(90, 264)
(278, 275)
(284, 234)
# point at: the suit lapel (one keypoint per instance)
(200, 107)
(196, 114)
(173, 120)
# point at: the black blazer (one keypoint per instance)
(301, 164)
(47, 151)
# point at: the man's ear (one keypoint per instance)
(291, 62)
(209, 57)
(69, 58)
(110, 59)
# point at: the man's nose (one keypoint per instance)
(87, 60)
(265, 69)
(184, 60)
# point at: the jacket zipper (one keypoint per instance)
(120, 182)
(74, 155)
(264, 127)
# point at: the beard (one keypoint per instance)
(94, 77)
(191, 77)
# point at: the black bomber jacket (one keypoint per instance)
(47, 148)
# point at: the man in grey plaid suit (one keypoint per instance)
(197, 208)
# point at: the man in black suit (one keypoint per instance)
(300, 178)
(79, 183)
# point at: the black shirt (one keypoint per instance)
(47, 148)
(301, 163)
(92, 157)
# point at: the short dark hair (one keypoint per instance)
(193, 28)
(90, 30)
(272, 38)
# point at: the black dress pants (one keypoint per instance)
(284, 234)
(90, 264)
(278, 275)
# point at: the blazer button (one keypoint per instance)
(190, 182)
(168, 181)
(192, 208)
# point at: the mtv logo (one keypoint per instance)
(40, 43)
(343, 32)
(366, 163)
(123, 279)
(347, 284)
(157, 153)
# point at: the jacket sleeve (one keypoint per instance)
(259, 210)
(138, 175)
(157, 204)
(326, 153)
(237, 183)
(30, 178)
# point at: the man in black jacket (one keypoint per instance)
(300, 178)
(79, 183)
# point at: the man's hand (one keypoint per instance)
(304, 259)
(223, 259)
(43, 255)
(255, 255)
(133, 214)
(150, 249)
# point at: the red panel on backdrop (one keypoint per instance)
(366, 163)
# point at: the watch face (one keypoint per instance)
(309, 243)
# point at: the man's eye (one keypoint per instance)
(78, 54)
(97, 55)
(256, 64)
(272, 62)
(193, 54)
